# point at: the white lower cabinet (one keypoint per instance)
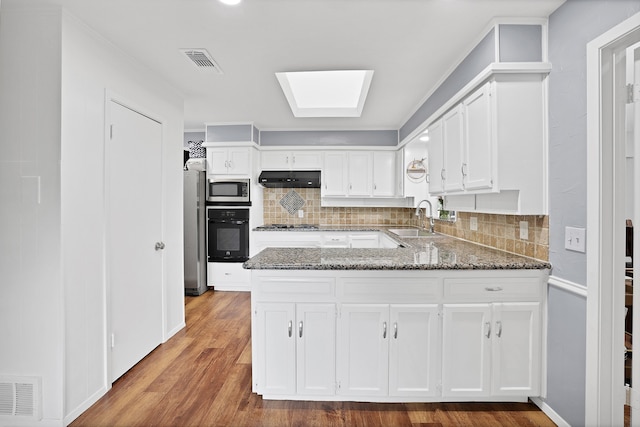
(388, 349)
(389, 336)
(491, 349)
(296, 348)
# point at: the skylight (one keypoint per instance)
(339, 93)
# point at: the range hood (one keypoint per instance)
(290, 179)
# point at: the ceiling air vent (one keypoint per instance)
(202, 59)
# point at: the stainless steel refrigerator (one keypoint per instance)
(195, 229)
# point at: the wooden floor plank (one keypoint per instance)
(201, 377)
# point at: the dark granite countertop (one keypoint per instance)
(432, 252)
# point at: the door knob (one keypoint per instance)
(159, 246)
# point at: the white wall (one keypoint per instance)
(53, 75)
(31, 304)
(90, 66)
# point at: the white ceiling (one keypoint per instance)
(410, 44)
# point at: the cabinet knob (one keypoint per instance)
(290, 328)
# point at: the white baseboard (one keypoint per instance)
(233, 288)
(75, 413)
(549, 412)
(175, 331)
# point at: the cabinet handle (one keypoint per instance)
(230, 164)
(290, 328)
(300, 329)
(375, 187)
(350, 187)
(286, 160)
(493, 288)
(487, 329)
(293, 160)
(395, 330)
(384, 330)
(499, 327)
(463, 169)
(443, 174)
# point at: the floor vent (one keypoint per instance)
(202, 59)
(20, 398)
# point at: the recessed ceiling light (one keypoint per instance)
(230, 2)
(338, 93)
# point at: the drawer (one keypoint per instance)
(389, 289)
(298, 289)
(226, 272)
(487, 289)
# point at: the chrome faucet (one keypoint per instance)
(431, 222)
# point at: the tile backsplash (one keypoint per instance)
(496, 231)
(275, 213)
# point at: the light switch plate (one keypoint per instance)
(473, 223)
(524, 230)
(300, 213)
(575, 239)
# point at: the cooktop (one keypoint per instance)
(281, 226)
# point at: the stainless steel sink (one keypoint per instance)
(410, 232)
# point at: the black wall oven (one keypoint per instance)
(227, 234)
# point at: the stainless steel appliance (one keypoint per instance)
(228, 191)
(195, 250)
(290, 179)
(227, 234)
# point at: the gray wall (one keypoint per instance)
(330, 138)
(571, 27)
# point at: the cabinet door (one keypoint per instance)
(360, 174)
(363, 349)
(452, 133)
(275, 160)
(477, 168)
(310, 160)
(217, 161)
(466, 352)
(239, 161)
(276, 352)
(435, 159)
(316, 356)
(384, 173)
(334, 174)
(414, 354)
(516, 349)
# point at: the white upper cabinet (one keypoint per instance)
(359, 174)
(291, 160)
(334, 174)
(492, 146)
(435, 159)
(452, 137)
(229, 161)
(477, 163)
(384, 174)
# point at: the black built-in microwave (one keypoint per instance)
(228, 190)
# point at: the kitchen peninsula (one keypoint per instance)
(433, 318)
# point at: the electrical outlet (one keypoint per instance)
(300, 213)
(524, 230)
(575, 239)
(473, 223)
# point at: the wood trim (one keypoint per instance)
(566, 285)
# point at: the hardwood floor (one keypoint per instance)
(202, 377)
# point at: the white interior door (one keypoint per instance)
(632, 207)
(134, 226)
